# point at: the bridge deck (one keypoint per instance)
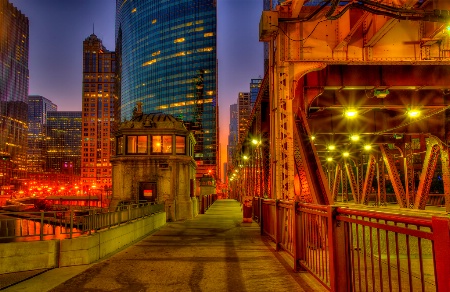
(213, 252)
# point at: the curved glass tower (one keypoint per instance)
(167, 60)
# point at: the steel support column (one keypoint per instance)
(394, 175)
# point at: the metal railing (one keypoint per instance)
(40, 225)
(361, 250)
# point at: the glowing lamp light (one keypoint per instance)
(331, 147)
(354, 138)
(346, 154)
(367, 147)
(350, 113)
(256, 142)
(245, 157)
(413, 113)
(329, 159)
(313, 138)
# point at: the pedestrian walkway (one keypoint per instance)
(212, 252)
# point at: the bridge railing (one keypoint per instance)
(357, 250)
(41, 225)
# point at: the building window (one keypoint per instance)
(136, 144)
(120, 145)
(180, 144)
(162, 144)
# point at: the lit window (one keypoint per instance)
(199, 21)
(156, 53)
(137, 144)
(208, 34)
(199, 28)
(133, 10)
(180, 54)
(179, 40)
(180, 144)
(153, 21)
(162, 144)
(149, 63)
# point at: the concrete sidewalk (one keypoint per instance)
(213, 252)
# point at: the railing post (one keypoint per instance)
(441, 247)
(261, 220)
(277, 221)
(71, 223)
(41, 229)
(295, 236)
(339, 255)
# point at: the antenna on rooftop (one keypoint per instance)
(93, 28)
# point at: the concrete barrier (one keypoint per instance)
(83, 250)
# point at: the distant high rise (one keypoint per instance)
(99, 66)
(38, 106)
(63, 142)
(243, 112)
(233, 135)
(14, 36)
(268, 5)
(255, 84)
(169, 63)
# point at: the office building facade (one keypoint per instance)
(98, 111)
(255, 84)
(168, 56)
(38, 106)
(63, 142)
(14, 75)
(233, 134)
(243, 113)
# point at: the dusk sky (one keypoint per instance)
(58, 28)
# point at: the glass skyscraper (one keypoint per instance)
(38, 106)
(63, 142)
(14, 44)
(168, 61)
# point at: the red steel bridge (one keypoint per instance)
(345, 156)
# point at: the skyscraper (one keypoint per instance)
(63, 142)
(14, 32)
(99, 66)
(243, 113)
(233, 136)
(38, 106)
(168, 62)
(255, 84)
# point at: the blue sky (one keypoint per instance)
(58, 28)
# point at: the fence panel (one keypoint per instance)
(67, 223)
(389, 252)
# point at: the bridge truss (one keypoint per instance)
(354, 106)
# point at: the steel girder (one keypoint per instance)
(358, 39)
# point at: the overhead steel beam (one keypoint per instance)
(426, 176)
(394, 176)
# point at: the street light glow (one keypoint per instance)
(329, 159)
(354, 137)
(331, 147)
(350, 113)
(245, 157)
(413, 113)
(346, 154)
(367, 147)
(256, 142)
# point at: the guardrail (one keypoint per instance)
(38, 225)
(206, 202)
(360, 250)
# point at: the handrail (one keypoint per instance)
(40, 225)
